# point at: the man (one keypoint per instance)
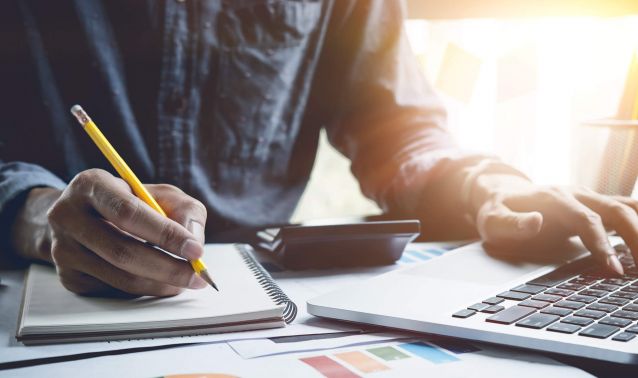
(225, 100)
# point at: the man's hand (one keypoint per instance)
(513, 213)
(97, 229)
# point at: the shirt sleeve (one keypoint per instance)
(385, 116)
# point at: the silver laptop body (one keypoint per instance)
(424, 297)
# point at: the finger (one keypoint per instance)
(616, 214)
(632, 203)
(588, 225)
(113, 200)
(131, 255)
(70, 255)
(497, 224)
(83, 284)
(181, 208)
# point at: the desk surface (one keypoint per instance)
(217, 355)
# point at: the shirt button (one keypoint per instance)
(175, 103)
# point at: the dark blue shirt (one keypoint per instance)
(223, 98)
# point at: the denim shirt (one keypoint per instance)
(223, 98)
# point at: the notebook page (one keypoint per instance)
(48, 304)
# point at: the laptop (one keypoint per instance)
(564, 304)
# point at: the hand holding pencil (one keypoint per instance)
(100, 223)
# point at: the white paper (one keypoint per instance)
(298, 285)
(490, 362)
(266, 347)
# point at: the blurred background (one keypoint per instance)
(519, 79)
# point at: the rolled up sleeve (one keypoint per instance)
(386, 117)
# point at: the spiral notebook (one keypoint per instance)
(248, 299)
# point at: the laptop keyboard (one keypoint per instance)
(575, 298)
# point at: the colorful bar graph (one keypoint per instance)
(361, 362)
(428, 352)
(388, 353)
(328, 367)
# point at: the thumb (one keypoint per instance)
(497, 224)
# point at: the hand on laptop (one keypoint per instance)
(88, 233)
(512, 211)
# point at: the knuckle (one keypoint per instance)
(125, 209)
(58, 253)
(196, 208)
(171, 240)
(620, 210)
(86, 179)
(168, 188)
(591, 219)
(56, 212)
(121, 255)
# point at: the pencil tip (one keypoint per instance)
(204, 274)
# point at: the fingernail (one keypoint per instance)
(197, 230)
(197, 282)
(614, 264)
(192, 250)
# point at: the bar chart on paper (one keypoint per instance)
(391, 358)
(429, 358)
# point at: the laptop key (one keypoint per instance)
(594, 293)
(510, 315)
(465, 313)
(633, 329)
(584, 280)
(547, 298)
(572, 286)
(556, 311)
(513, 295)
(604, 287)
(493, 300)
(582, 298)
(529, 289)
(624, 336)
(602, 307)
(538, 321)
(493, 309)
(630, 289)
(614, 301)
(570, 304)
(590, 314)
(578, 320)
(563, 328)
(560, 292)
(599, 331)
(618, 322)
(478, 306)
(631, 307)
(616, 281)
(534, 304)
(626, 314)
(561, 274)
(624, 294)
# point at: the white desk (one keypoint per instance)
(218, 356)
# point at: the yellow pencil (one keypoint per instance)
(127, 174)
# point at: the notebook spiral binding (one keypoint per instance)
(268, 283)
